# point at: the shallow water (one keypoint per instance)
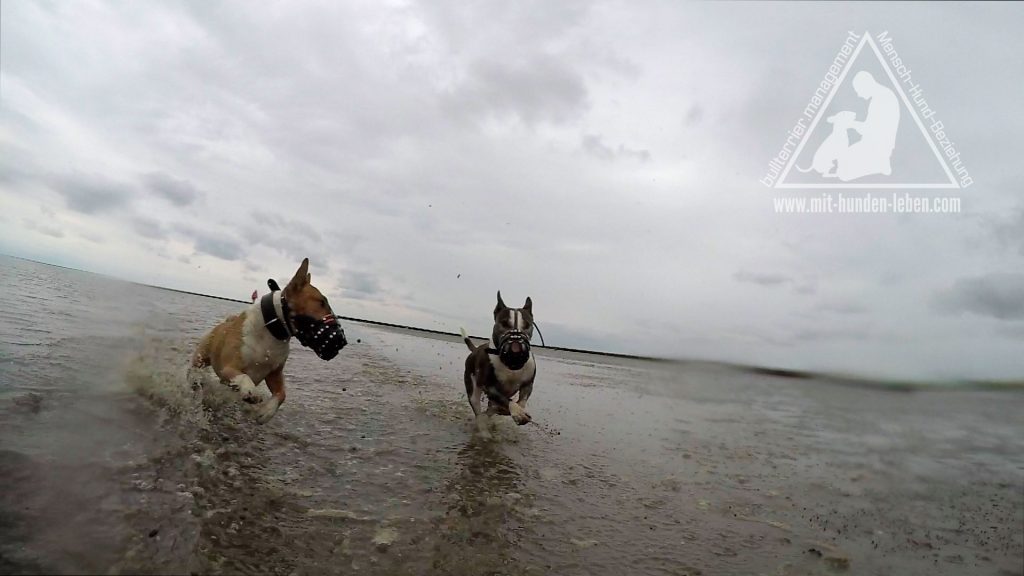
(110, 464)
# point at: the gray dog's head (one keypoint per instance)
(513, 330)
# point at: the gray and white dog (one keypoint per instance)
(505, 366)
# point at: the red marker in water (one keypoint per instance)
(254, 295)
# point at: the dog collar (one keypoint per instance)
(275, 310)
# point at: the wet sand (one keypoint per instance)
(111, 465)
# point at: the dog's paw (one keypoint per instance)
(267, 411)
(482, 426)
(246, 389)
(252, 398)
(519, 415)
(195, 379)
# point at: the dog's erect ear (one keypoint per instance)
(500, 306)
(301, 277)
(529, 305)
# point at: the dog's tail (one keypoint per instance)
(808, 169)
(465, 338)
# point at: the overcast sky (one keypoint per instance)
(602, 158)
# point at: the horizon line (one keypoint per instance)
(891, 384)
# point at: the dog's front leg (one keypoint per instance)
(239, 382)
(524, 394)
(275, 381)
(503, 402)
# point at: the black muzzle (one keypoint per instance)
(324, 337)
(514, 349)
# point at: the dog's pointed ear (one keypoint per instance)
(301, 278)
(500, 306)
(529, 305)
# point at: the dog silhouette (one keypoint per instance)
(834, 146)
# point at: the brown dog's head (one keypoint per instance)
(310, 315)
(304, 298)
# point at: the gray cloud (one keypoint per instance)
(360, 285)
(291, 237)
(806, 288)
(1009, 232)
(997, 295)
(149, 228)
(535, 89)
(843, 307)
(43, 228)
(594, 145)
(218, 246)
(176, 190)
(761, 278)
(694, 115)
(10, 173)
(291, 226)
(819, 333)
(94, 238)
(91, 194)
(1014, 331)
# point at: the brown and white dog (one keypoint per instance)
(505, 366)
(253, 346)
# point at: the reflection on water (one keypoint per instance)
(110, 463)
(484, 504)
